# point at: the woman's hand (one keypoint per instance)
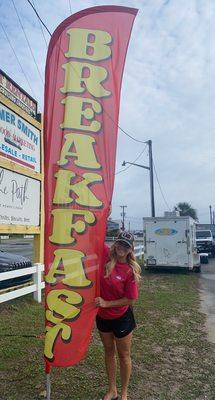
(101, 302)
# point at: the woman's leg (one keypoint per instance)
(124, 351)
(108, 341)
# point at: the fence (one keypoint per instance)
(38, 284)
(35, 287)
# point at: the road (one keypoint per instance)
(207, 291)
(24, 247)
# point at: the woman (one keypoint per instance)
(120, 275)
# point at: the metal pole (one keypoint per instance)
(48, 387)
(210, 215)
(151, 179)
(123, 217)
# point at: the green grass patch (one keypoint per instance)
(172, 359)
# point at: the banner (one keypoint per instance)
(83, 80)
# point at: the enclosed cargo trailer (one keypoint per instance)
(171, 242)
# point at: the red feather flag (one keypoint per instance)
(84, 70)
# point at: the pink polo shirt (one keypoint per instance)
(120, 283)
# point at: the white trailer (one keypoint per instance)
(171, 242)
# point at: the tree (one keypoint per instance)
(186, 209)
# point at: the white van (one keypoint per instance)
(171, 242)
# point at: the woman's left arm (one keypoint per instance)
(100, 302)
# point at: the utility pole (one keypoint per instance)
(150, 168)
(210, 208)
(151, 178)
(123, 217)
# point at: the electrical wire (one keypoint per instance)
(28, 42)
(70, 7)
(125, 169)
(118, 126)
(126, 133)
(7, 37)
(160, 187)
(41, 28)
(39, 17)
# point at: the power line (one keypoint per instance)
(70, 7)
(119, 127)
(41, 28)
(127, 134)
(160, 187)
(123, 170)
(7, 37)
(28, 42)
(39, 17)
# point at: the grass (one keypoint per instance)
(172, 359)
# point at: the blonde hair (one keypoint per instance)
(130, 259)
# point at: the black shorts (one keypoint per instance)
(120, 327)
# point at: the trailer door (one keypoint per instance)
(183, 243)
(167, 242)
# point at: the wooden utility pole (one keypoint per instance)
(150, 169)
(123, 217)
(151, 178)
(210, 214)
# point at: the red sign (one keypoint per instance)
(83, 80)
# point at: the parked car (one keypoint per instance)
(11, 262)
(205, 242)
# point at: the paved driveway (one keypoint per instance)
(207, 290)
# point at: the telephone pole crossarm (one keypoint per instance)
(138, 165)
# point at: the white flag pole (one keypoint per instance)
(48, 386)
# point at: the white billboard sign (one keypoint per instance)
(19, 199)
(19, 140)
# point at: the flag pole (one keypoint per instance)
(48, 387)
(48, 381)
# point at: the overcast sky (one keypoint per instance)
(168, 95)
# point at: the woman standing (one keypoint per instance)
(120, 275)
